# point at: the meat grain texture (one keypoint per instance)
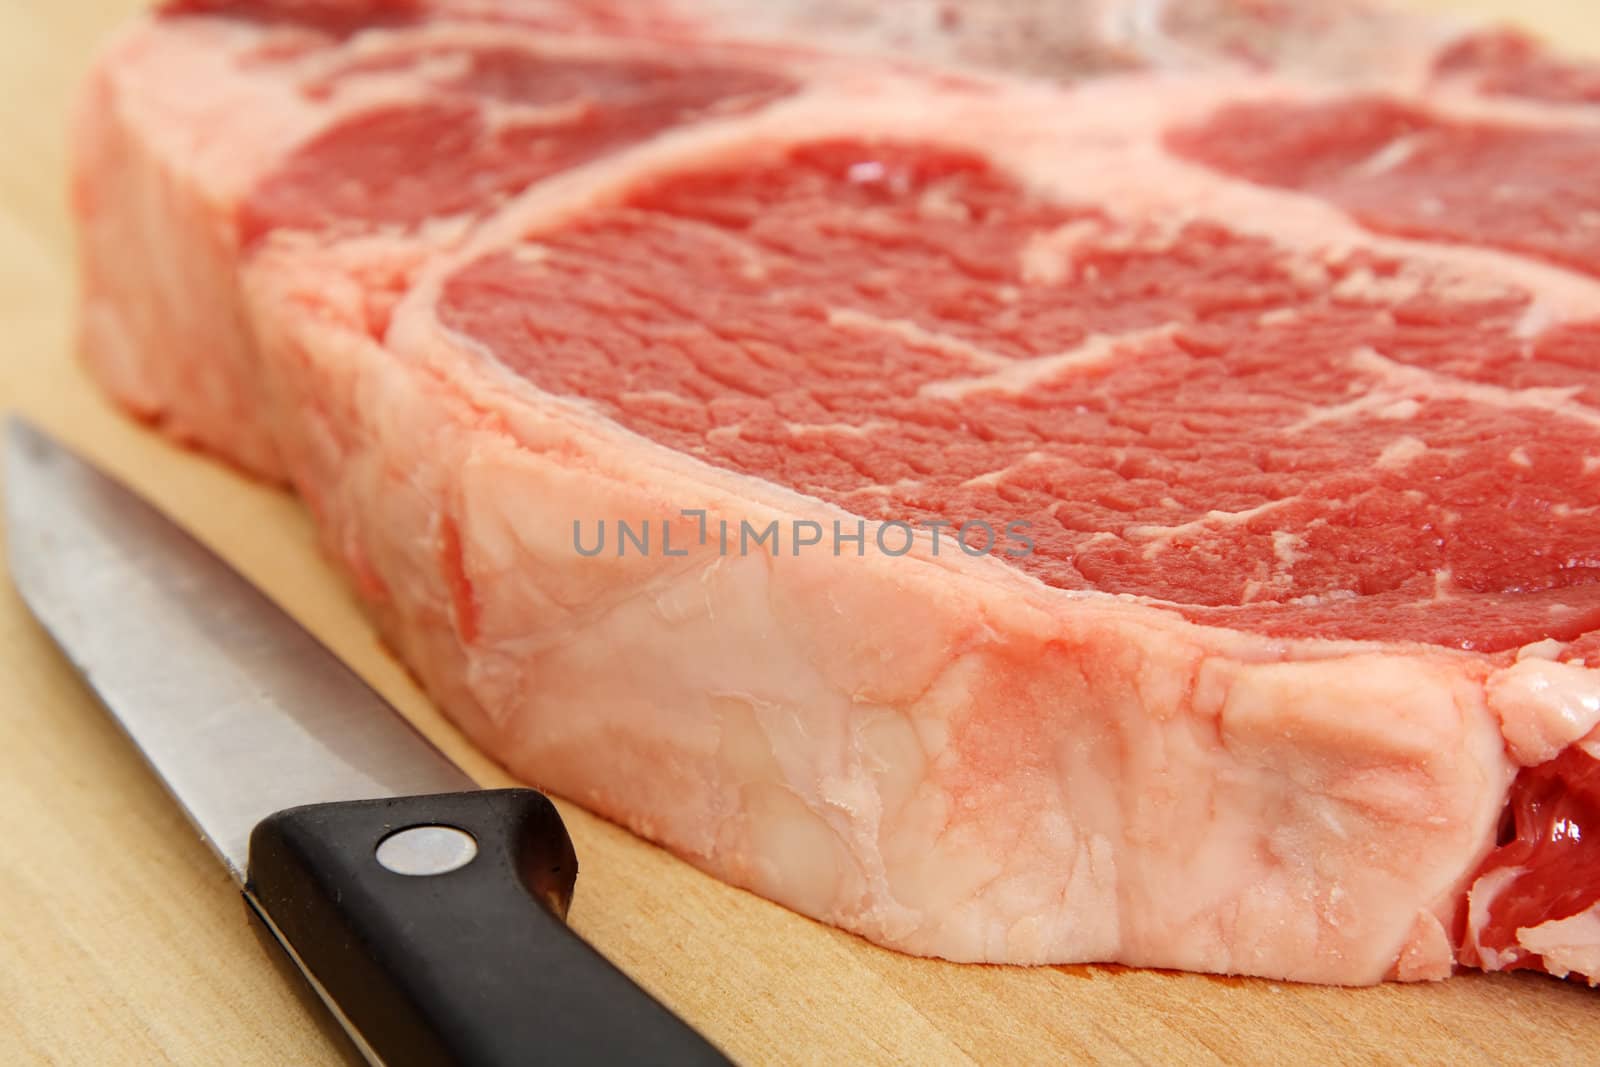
(1283, 349)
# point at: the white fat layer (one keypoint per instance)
(1548, 649)
(1480, 898)
(1568, 946)
(1543, 706)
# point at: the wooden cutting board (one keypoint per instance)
(122, 941)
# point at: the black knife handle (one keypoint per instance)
(474, 967)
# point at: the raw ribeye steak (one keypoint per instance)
(1023, 482)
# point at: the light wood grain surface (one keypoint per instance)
(122, 941)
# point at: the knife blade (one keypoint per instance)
(428, 915)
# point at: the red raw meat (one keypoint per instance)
(1022, 483)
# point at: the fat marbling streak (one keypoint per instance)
(428, 915)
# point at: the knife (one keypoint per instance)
(428, 915)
